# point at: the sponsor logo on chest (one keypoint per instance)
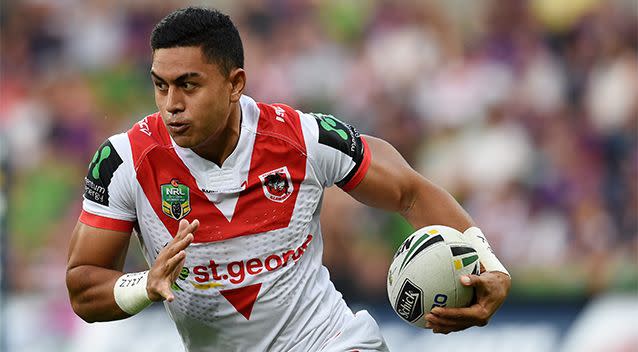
(213, 275)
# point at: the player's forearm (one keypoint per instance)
(429, 204)
(91, 293)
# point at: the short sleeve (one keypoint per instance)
(340, 154)
(108, 193)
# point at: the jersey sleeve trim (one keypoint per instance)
(105, 223)
(361, 171)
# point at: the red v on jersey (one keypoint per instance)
(277, 144)
(242, 298)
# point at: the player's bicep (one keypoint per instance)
(97, 247)
(389, 182)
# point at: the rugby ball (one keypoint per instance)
(426, 270)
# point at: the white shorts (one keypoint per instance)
(360, 334)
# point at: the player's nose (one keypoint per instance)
(174, 101)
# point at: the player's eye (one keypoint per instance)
(189, 85)
(160, 85)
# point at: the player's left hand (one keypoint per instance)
(169, 263)
(491, 288)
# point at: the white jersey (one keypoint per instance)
(253, 278)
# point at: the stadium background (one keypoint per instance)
(526, 111)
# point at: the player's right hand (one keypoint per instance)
(169, 263)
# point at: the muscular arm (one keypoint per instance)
(95, 262)
(391, 184)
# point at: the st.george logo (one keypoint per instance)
(277, 184)
(175, 199)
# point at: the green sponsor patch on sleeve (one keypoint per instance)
(342, 137)
(336, 134)
(101, 169)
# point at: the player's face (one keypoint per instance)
(198, 103)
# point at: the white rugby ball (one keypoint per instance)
(426, 270)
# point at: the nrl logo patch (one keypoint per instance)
(277, 184)
(175, 199)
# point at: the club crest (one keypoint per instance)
(175, 199)
(277, 184)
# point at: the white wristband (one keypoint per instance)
(477, 239)
(130, 292)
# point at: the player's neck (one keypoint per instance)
(218, 149)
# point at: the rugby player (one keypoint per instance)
(224, 194)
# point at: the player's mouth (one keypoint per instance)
(178, 127)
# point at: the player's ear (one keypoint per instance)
(237, 78)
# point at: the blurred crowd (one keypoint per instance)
(525, 111)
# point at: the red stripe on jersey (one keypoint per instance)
(105, 223)
(363, 168)
(157, 163)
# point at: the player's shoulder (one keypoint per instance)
(308, 129)
(125, 147)
(149, 130)
(146, 135)
(277, 120)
